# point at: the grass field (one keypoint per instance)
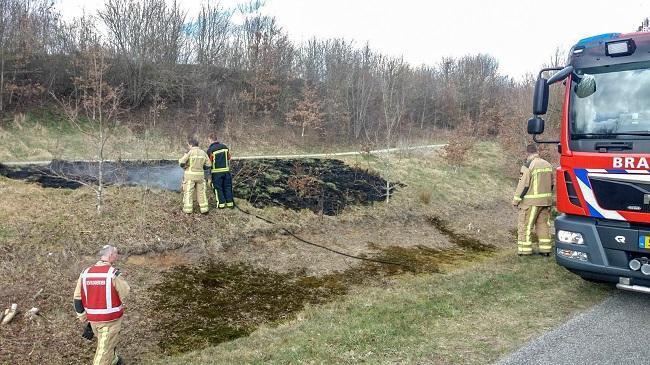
(473, 308)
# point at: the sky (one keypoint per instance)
(521, 34)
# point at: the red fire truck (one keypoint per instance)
(603, 182)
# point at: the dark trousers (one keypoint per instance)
(222, 184)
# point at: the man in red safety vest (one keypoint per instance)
(98, 300)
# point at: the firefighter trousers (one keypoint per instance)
(190, 186)
(222, 184)
(538, 218)
(107, 335)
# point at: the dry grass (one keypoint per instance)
(45, 135)
(425, 196)
(47, 236)
(472, 197)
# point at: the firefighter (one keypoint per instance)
(220, 169)
(193, 162)
(98, 300)
(534, 198)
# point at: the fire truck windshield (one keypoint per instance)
(611, 102)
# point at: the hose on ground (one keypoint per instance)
(321, 246)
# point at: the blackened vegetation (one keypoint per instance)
(217, 302)
(321, 185)
(74, 174)
(41, 175)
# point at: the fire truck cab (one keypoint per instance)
(603, 182)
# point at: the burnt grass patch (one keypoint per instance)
(324, 186)
(205, 305)
(41, 175)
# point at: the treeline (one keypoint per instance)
(246, 73)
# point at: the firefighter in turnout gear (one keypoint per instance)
(534, 198)
(98, 300)
(220, 169)
(194, 162)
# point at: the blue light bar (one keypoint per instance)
(597, 38)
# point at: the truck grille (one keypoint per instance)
(614, 193)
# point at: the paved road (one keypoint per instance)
(313, 155)
(617, 331)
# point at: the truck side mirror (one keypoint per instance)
(540, 98)
(535, 125)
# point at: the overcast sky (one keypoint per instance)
(521, 34)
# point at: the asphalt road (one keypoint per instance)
(617, 331)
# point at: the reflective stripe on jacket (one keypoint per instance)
(194, 161)
(535, 187)
(220, 157)
(98, 294)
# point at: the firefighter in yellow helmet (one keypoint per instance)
(534, 198)
(194, 162)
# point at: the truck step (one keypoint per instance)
(634, 288)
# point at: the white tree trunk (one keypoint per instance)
(100, 185)
(387, 191)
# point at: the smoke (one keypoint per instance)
(162, 174)
(168, 177)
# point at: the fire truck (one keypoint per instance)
(603, 182)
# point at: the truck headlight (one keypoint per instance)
(570, 237)
(575, 255)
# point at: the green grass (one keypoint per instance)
(472, 316)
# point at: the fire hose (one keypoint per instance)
(321, 246)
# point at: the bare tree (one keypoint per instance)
(393, 96)
(27, 31)
(143, 33)
(361, 90)
(93, 108)
(210, 32)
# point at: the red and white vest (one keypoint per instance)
(98, 294)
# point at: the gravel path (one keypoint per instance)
(616, 331)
